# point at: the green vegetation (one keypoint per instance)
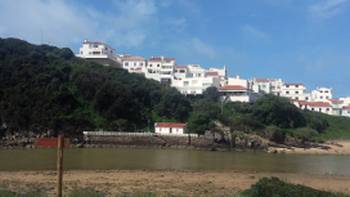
(273, 187)
(5, 193)
(270, 116)
(46, 88)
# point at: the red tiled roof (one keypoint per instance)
(315, 104)
(170, 124)
(180, 66)
(336, 101)
(133, 58)
(212, 73)
(347, 107)
(232, 87)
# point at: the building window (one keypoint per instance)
(306, 98)
(141, 64)
(296, 92)
(126, 63)
(287, 92)
(134, 63)
(321, 97)
(312, 109)
(297, 86)
(327, 109)
(158, 65)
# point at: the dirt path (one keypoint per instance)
(162, 182)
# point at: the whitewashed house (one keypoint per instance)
(169, 128)
(316, 106)
(236, 81)
(236, 93)
(134, 64)
(266, 85)
(99, 52)
(321, 94)
(294, 91)
(181, 71)
(160, 69)
(195, 86)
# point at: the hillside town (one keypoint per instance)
(192, 79)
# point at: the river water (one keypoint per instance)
(161, 159)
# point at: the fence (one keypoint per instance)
(114, 133)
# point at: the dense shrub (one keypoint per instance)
(273, 187)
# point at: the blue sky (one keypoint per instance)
(299, 41)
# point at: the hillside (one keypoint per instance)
(46, 88)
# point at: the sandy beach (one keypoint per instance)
(338, 147)
(162, 182)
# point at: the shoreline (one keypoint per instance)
(335, 147)
(163, 182)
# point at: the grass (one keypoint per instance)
(339, 127)
(5, 193)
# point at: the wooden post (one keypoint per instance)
(60, 146)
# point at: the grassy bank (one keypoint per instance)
(265, 187)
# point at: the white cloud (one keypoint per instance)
(252, 31)
(327, 8)
(63, 23)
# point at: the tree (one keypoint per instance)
(211, 94)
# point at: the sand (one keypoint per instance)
(339, 147)
(162, 182)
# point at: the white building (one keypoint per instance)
(237, 93)
(181, 71)
(195, 70)
(346, 100)
(169, 128)
(321, 94)
(266, 86)
(316, 106)
(134, 64)
(236, 81)
(195, 85)
(99, 52)
(160, 69)
(346, 111)
(295, 91)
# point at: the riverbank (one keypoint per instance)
(187, 183)
(335, 147)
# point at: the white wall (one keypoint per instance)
(166, 131)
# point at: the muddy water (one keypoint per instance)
(158, 159)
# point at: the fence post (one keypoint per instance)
(60, 146)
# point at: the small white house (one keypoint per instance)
(236, 93)
(169, 128)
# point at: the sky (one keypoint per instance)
(297, 40)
